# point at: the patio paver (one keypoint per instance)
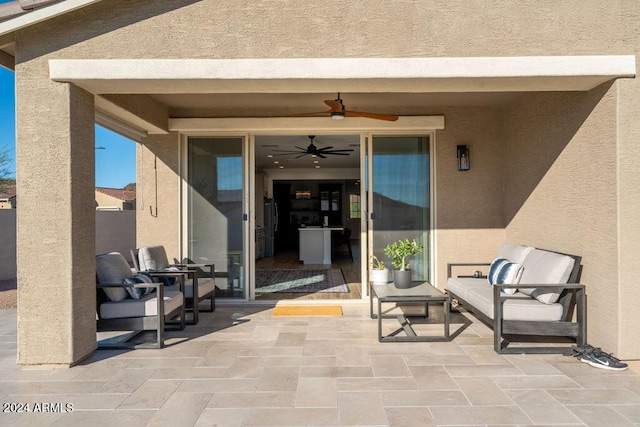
(242, 367)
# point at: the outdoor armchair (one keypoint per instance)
(127, 303)
(197, 289)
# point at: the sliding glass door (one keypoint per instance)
(399, 196)
(215, 230)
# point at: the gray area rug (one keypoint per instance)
(301, 281)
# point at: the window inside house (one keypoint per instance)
(354, 206)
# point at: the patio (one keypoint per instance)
(242, 367)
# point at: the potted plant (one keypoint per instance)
(379, 273)
(399, 252)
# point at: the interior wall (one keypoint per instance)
(560, 178)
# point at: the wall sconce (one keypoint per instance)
(463, 158)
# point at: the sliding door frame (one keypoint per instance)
(249, 128)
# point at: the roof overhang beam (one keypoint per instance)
(304, 75)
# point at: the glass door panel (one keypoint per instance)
(399, 192)
(215, 229)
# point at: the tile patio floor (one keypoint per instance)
(242, 367)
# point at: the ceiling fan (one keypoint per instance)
(314, 151)
(339, 112)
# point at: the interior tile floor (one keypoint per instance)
(240, 366)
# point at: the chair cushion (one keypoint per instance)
(205, 286)
(153, 258)
(137, 293)
(111, 269)
(145, 306)
(504, 272)
(514, 252)
(544, 267)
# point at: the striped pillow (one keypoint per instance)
(505, 272)
(137, 293)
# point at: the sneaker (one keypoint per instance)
(579, 350)
(599, 359)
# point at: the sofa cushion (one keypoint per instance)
(504, 272)
(521, 308)
(145, 306)
(514, 252)
(112, 269)
(544, 267)
(461, 285)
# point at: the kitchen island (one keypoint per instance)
(315, 244)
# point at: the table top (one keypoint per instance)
(417, 290)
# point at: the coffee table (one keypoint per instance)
(418, 292)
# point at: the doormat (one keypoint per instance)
(301, 281)
(308, 310)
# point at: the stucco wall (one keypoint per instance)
(333, 28)
(470, 211)
(225, 29)
(158, 193)
(55, 223)
(560, 181)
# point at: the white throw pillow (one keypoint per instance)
(546, 267)
(514, 252)
(504, 272)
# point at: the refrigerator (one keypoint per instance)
(270, 226)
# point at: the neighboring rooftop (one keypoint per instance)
(118, 193)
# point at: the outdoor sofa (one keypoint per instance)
(537, 306)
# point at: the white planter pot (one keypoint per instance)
(380, 276)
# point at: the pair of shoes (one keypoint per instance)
(599, 359)
(579, 350)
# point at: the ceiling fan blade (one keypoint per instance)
(334, 104)
(302, 155)
(300, 148)
(375, 116)
(314, 114)
(324, 148)
(334, 153)
(320, 155)
(286, 151)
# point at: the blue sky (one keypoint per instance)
(115, 165)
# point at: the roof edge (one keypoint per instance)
(41, 13)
